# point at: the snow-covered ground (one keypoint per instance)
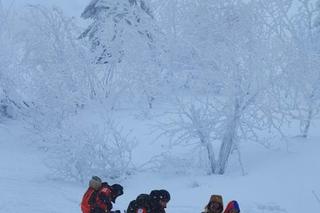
(276, 180)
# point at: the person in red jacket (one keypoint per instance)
(232, 207)
(100, 196)
(88, 199)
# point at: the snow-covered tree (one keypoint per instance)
(126, 41)
(295, 26)
(317, 18)
(110, 20)
(235, 70)
(55, 64)
(11, 98)
(96, 147)
(46, 69)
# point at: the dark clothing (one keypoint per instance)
(140, 205)
(97, 210)
(132, 207)
(156, 207)
(103, 200)
(215, 204)
(145, 205)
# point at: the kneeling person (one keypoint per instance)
(142, 204)
(100, 196)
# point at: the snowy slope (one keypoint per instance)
(24, 179)
(277, 181)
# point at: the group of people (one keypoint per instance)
(155, 202)
(100, 195)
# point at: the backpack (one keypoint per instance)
(88, 200)
(142, 203)
(132, 207)
(89, 197)
(143, 200)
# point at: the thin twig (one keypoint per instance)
(316, 196)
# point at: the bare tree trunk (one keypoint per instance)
(93, 92)
(228, 140)
(307, 124)
(210, 152)
(316, 196)
(211, 157)
(240, 160)
(1, 8)
(108, 80)
(150, 101)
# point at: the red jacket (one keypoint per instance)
(103, 199)
(88, 200)
(232, 205)
(97, 201)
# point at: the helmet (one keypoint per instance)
(164, 195)
(116, 189)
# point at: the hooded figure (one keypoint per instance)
(142, 204)
(106, 196)
(159, 200)
(215, 204)
(232, 207)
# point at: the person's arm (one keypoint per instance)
(131, 207)
(106, 200)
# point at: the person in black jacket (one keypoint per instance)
(159, 200)
(155, 202)
(142, 204)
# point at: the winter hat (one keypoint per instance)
(95, 183)
(143, 199)
(164, 195)
(155, 194)
(216, 199)
(232, 205)
(116, 189)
